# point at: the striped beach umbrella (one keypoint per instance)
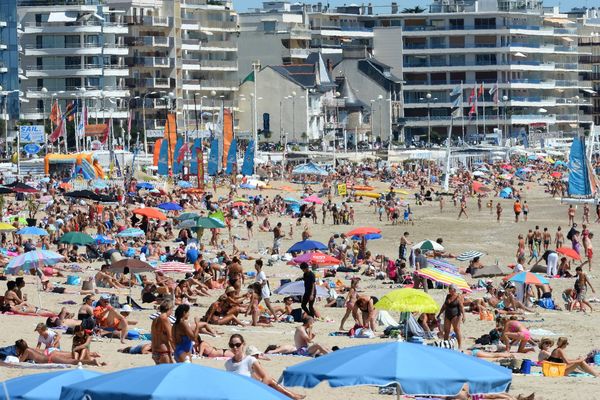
(469, 255)
(442, 264)
(175, 267)
(529, 278)
(444, 277)
(428, 245)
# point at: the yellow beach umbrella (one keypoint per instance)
(408, 300)
(4, 227)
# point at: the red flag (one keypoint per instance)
(58, 131)
(85, 115)
(106, 131)
(472, 110)
(181, 155)
(472, 96)
(480, 94)
(200, 157)
(55, 113)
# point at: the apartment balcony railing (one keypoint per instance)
(152, 41)
(75, 46)
(211, 84)
(481, 63)
(73, 67)
(216, 25)
(158, 62)
(210, 64)
(487, 27)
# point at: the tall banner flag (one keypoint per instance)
(156, 154)
(227, 135)
(472, 95)
(456, 91)
(163, 158)
(200, 165)
(59, 131)
(171, 136)
(232, 158)
(213, 158)
(55, 113)
(177, 165)
(106, 132)
(457, 113)
(494, 92)
(481, 91)
(248, 166)
(196, 148)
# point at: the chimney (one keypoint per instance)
(370, 9)
(394, 7)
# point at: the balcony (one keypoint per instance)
(204, 4)
(208, 45)
(209, 65)
(201, 84)
(77, 49)
(296, 53)
(148, 41)
(89, 26)
(148, 62)
(3, 68)
(218, 26)
(41, 71)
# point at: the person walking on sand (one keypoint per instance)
(559, 238)
(581, 284)
(571, 214)
(162, 338)
(463, 208)
(517, 209)
(498, 211)
(310, 290)
(588, 248)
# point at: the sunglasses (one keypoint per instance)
(236, 345)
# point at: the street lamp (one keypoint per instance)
(44, 92)
(5, 113)
(577, 111)
(428, 97)
(506, 124)
(144, 119)
(380, 99)
(293, 116)
(371, 118)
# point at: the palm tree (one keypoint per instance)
(414, 10)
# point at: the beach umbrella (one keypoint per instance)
(46, 386)
(239, 204)
(297, 289)
(505, 176)
(103, 239)
(187, 224)
(569, 252)
(316, 259)
(291, 200)
(365, 230)
(480, 187)
(151, 213)
(170, 206)
(479, 173)
(144, 185)
(20, 220)
(78, 238)
(168, 382)
(428, 245)
(187, 215)
(175, 267)
(469, 255)
(131, 232)
(33, 259)
(527, 277)
(368, 236)
(33, 231)
(20, 187)
(442, 264)
(312, 199)
(408, 300)
(184, 184)
(5, 190)
(134, 265)
(82, 194)
(5, 227)
(306, 245)
(556, 175)
(208, 223)
(445, 277)
(415, 369)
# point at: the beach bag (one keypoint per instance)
(73, 280)
(553, 370)
(114, 301)
(485, 315)
(526, 366)
(88, 284)
(484, 340)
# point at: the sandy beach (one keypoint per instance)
(479, 232)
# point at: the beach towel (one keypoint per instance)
(385, 319)
(28, 365)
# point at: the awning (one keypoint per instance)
(567, 39)
(62, 16)
(562, 21)
(590, 91)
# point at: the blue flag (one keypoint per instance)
(248, 167)
(195, 149)
(163, 158)
(177, 165)
(232, 157)
(213, 158)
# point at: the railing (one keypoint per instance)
(74, 24)
(211, 83)
(565, 48)
(210, 24)
(77, 46)
(565, 65)
(210, 63)
(63, 67)
(482, 27)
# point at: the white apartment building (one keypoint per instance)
(72, 50)
(529, 51)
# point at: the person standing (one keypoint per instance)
(277, 236)
(420, 263)
(551, 258)
(581, 284)
(162, 338)
(463, 208)
(310, 290)
(498, 211)
(265, 290)
(517, 209)
(454, 313)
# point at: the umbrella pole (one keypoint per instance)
(397, 391)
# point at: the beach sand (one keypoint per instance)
(479, 232)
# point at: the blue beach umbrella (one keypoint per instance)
(170, 207)
(184, 184)
(103, 239)
(33, 231)
(306, 245)
(145, 185)
(132, 232)
(291, 200)
(171, 382)
(417, 369)
(46, 386)
(368, 236)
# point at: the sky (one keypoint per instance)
(242, 5)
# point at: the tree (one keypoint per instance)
(414, 10)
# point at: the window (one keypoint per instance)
(269, 26)
(72, 41)
(456, 23)
(92, 40)
(485, 59)
(92, 82)
(72, 62)
(72, 83)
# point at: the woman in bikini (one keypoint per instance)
(350, 300)
(26, 353)
(183, 335)
(514, 331)
(558, 356)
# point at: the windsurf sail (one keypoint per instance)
(232, 158)
(582, 181)
(248, 166)
(213, 158)
(163, 158)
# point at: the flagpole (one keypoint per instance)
(447, 174)
(483, 108)
(76, 125)
(462, 111)
(497, 104)
(477, 140)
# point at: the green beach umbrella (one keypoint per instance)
(209, 223)
(186, 216)
(78, 238)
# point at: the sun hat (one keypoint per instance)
(252, 351)
(126, 308)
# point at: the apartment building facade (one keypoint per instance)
(9, 61)
(72, 51)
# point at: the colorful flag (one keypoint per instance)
(472, 95)
(70, 111)
(55, 113)
(58, 131)
(457, 113)
(456, 91)
(85, 115)
(494, 92)
(182, 151)
(457, 102)
(106, 132)
(473, 110)
(481, 91)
